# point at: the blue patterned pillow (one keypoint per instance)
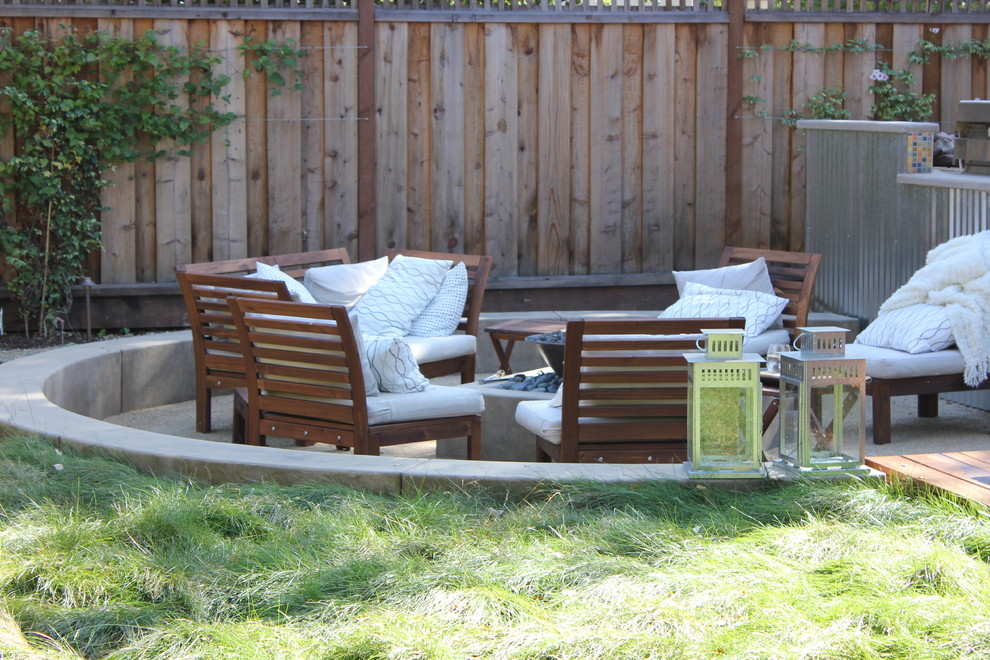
(441, 316)
(295, 287)
(390, 306)
(920, 328)
(700, 301)
(393, 365)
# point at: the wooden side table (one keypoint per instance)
(512, 331)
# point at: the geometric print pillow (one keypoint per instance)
(441, 316)
(920, 328)
(393, 365)
(295, 287)
(392, 303)
(700, 301)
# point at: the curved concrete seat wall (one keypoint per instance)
(64, 393)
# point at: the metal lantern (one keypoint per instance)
(724, 400)
(822, 416)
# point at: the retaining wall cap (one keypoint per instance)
(24, 407)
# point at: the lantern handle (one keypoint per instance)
(797, 340)
(697, 342)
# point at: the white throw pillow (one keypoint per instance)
(344, 284)
(700, 301)
(393, 365)
(441, 316)
(393, 302)
(296, 289)
(752, 276)
(920, 328)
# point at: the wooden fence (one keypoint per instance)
(606, 143)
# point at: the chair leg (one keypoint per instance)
(474, 441)
(881, 415)
(467, 370)
(928, 405)
(239, 426)
(203, 407)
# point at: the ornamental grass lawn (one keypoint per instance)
(100, 561)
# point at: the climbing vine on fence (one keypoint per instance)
(77, 106)
(893, 99)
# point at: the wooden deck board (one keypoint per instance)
(966, 474)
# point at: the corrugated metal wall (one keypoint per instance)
(873, 232)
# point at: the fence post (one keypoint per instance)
(367, 143)
(733, 125)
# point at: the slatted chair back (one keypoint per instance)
(478, 267)
(793, 275)
(294, 264)
(305, 381)
(219, 362)
(625, 390)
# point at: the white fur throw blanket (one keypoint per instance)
(956, 275)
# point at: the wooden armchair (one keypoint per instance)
(793, 275)
(219, 363)
(305, 381)
(624, 392)
(478, 268)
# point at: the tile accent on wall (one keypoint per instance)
(919, 153)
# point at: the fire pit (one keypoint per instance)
(551, 347)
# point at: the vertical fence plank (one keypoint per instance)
(119, 260)
(580, 148)
(173, 205)
(658, 148)
(447, 131)
(527, 122)
(200, 185)
(684, 146)
(417, 211)
(605, 201)
(312, 127)
(781, 34)
(856, 72)
(757, 136)
(956, 75)
(144, 200)
(284, 166)
(229, 147)
(834, 35)
(554, 148)
(632, 149)
(979, 64)
(393, 135)
(710, 153)
(474, 139)
(808, 80)
(341, 146)
(256, 140)
(501, 142)
(905, 39)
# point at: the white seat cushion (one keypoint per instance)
(540, 418)
(891, 363)
(435, 401)
(432, 349)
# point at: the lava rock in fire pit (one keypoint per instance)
(548, 382)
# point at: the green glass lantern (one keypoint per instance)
(724, 399)
(822, 392)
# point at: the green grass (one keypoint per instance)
(100, 561)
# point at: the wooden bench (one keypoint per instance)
(624, 392)
(478, 269)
